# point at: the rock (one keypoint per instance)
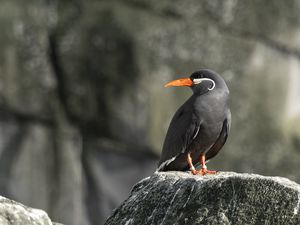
(225, 198)
(14, 213)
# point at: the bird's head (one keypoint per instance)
(201, 81)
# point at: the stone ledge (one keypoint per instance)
(225, 198)
(14, 213)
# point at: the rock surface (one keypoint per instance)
(14, 213)
(226, 198)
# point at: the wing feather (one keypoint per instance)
(183, 128)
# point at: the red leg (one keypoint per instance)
(190, 162)
(204, 169)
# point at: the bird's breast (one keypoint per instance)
(205, 139)
(211, 113)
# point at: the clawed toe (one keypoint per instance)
(203, 172)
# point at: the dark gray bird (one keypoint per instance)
(200, 127)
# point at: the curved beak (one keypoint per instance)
(180, 82)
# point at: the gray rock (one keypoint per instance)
(14, 213)
(225, 198)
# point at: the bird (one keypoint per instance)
(200, 127)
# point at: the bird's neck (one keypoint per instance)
(216, 92)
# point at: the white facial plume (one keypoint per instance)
(199, 80)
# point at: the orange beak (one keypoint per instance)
(180, 82)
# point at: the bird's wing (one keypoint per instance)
(183, 129)
(221, 139)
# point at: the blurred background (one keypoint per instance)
(83, 110)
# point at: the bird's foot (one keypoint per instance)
(206, 171)
(203, 171)
(195, 172)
